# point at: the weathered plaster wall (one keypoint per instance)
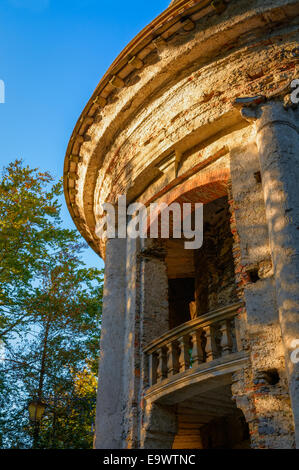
(109, 403)
(132, 354)
(169, 98)
(215, 278)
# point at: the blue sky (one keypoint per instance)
(52, 55)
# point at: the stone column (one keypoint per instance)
(154, 321)
(154, 290)
(278, 147)
(109, 403)
(132, 353)
(266, 407)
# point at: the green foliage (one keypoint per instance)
(30, 228)
(70, 413)
(50, 313)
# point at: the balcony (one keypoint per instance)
(200, 350)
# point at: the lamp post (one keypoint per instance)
(36, 411)
(37, 407)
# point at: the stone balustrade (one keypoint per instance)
(191, 344)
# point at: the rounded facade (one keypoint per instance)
(171, 90)
(198, 108)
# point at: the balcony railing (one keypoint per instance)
(191, 344)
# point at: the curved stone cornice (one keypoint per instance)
(168, 54)
(100, 97)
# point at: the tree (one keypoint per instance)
(59, 346)
(51, 311)
(69, 420)
(62, 347)
(30, 227)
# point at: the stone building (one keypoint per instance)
(198, 347)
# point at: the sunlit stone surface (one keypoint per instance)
(197, 346)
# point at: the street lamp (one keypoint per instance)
(36, 410)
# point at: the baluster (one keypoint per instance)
(172, 359)
(197, 349)
(184, 358)
(211, 346)
(226, 342)
(160, 365)
(152, 370)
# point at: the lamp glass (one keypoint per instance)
(36, 410)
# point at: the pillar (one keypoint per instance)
(132, 353)
(278, 148)
(154, 290)
(266, 406)
(109, 403)
(154, 321)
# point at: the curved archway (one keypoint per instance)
(201, 188)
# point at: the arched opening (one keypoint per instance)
(202, 288)
(202, 280)
(204, 416)
(211, 421)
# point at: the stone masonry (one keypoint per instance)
(196, 345)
